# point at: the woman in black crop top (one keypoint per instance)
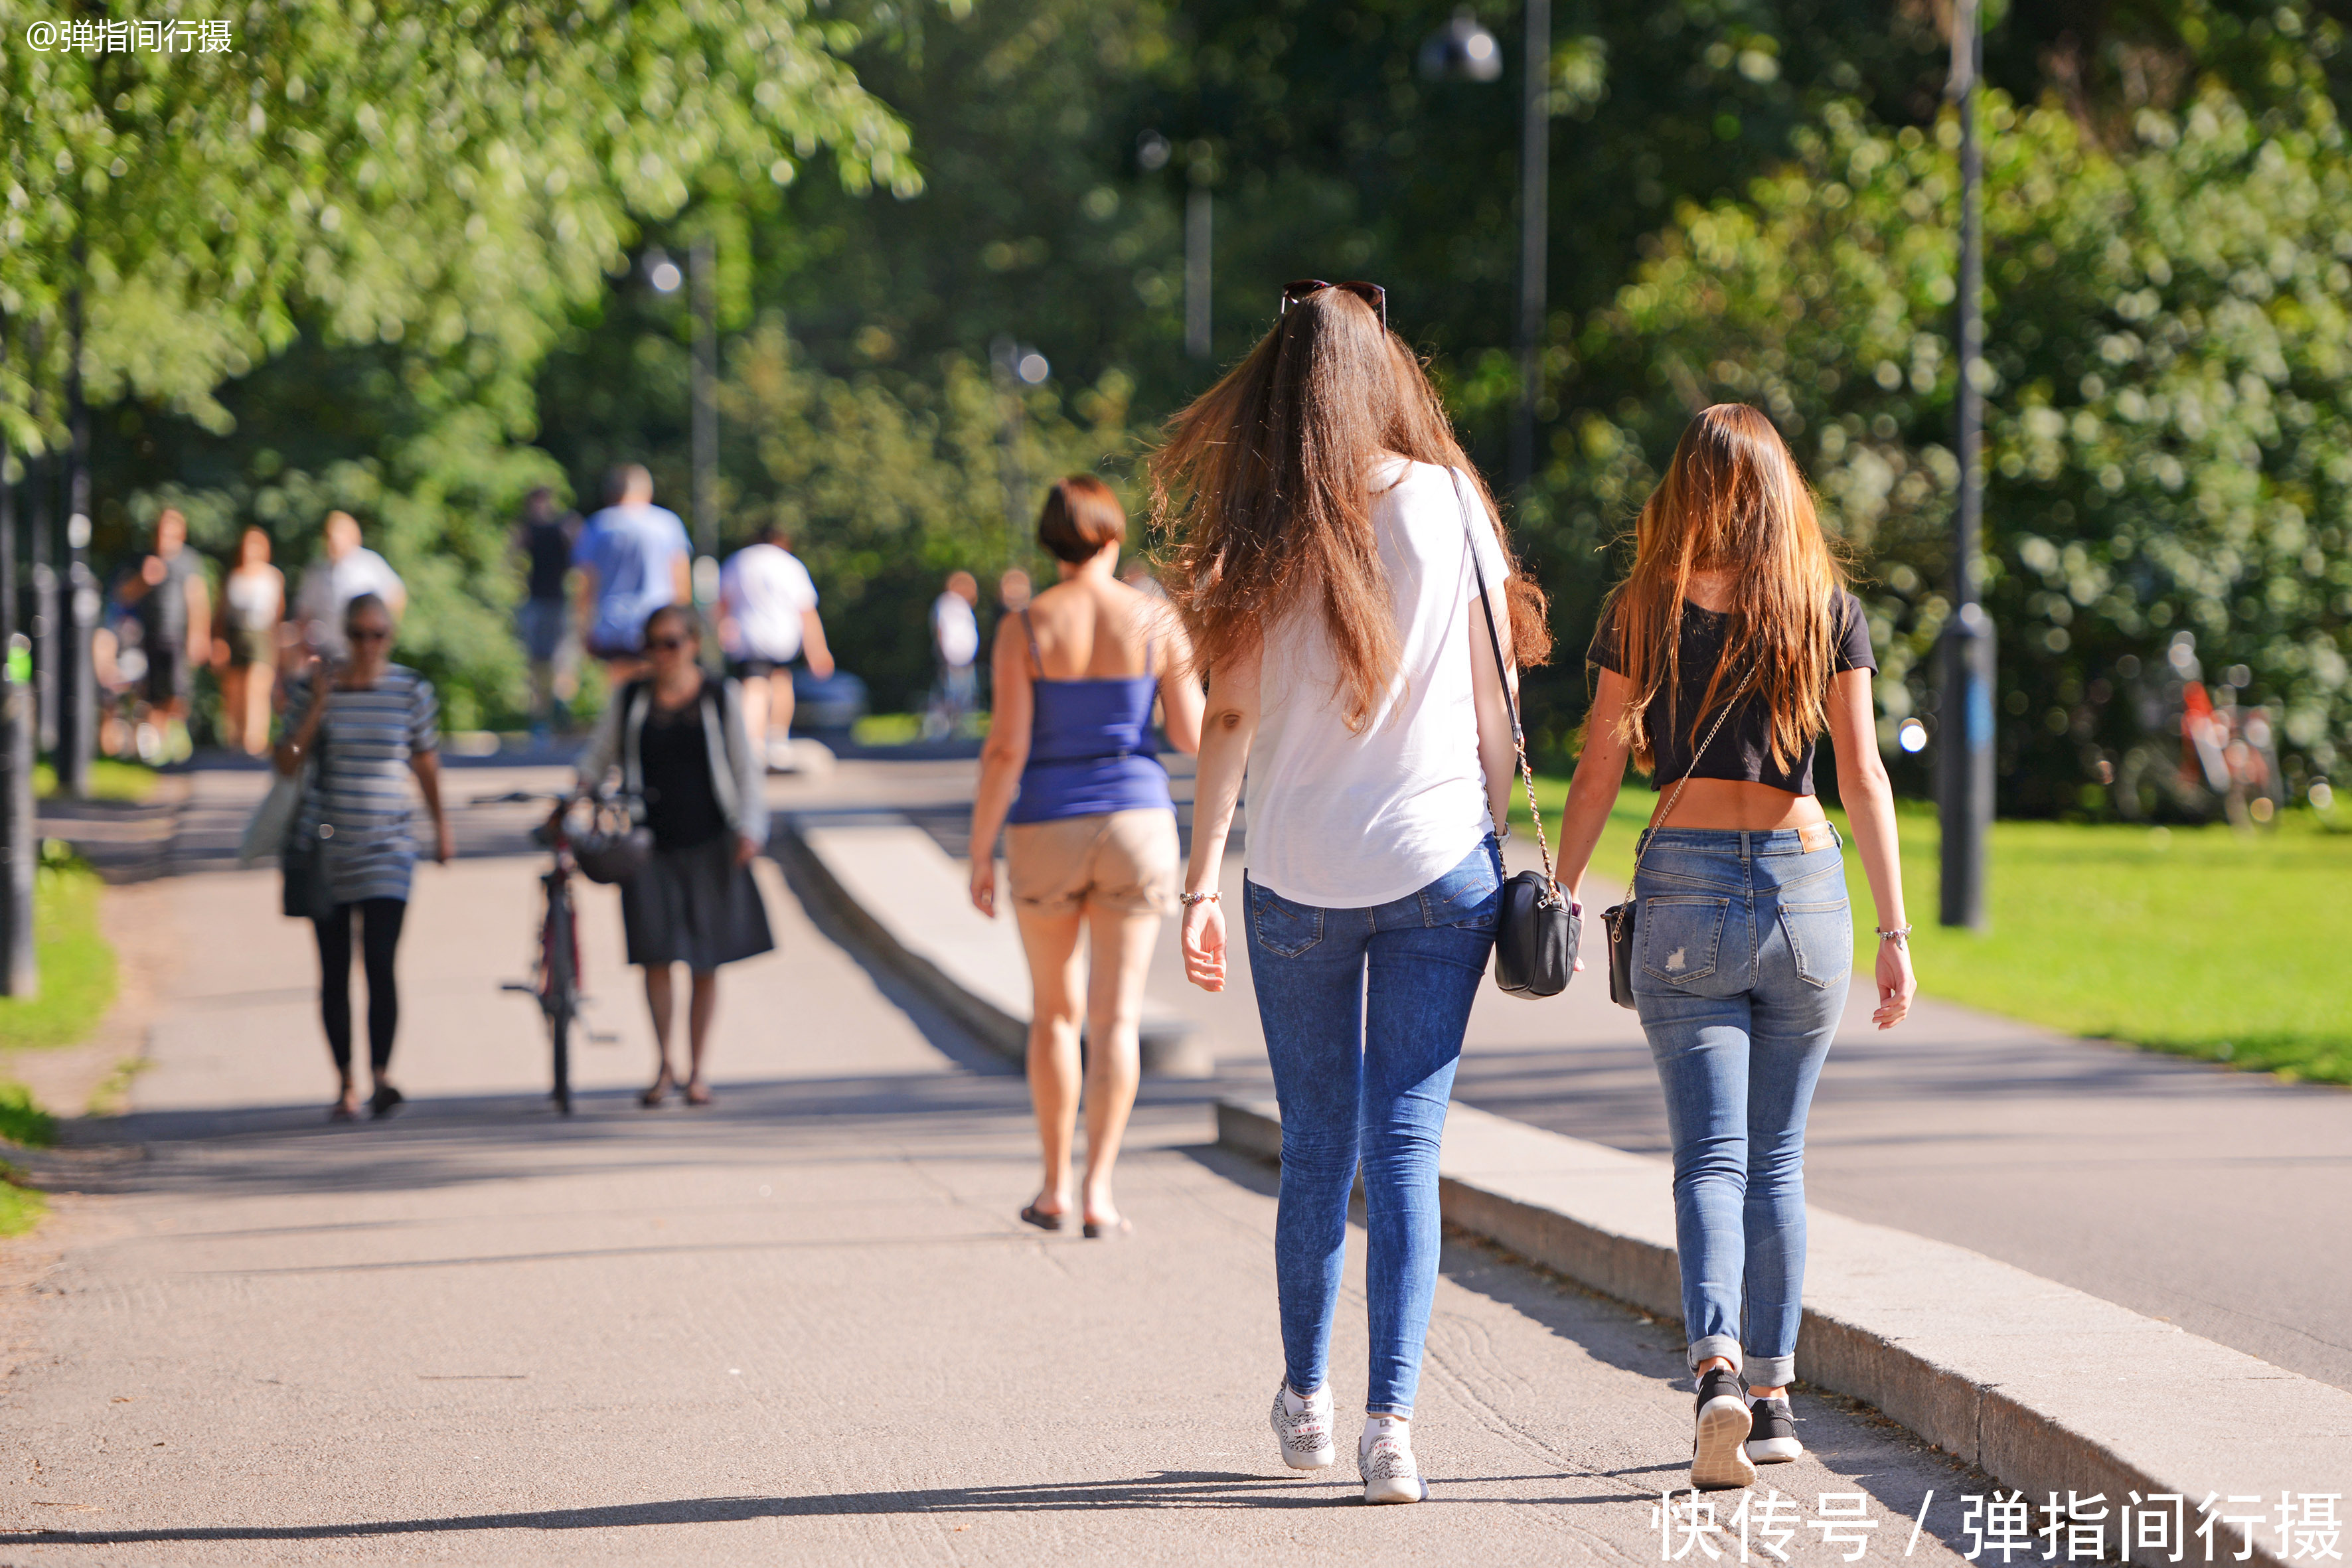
(1728, 649)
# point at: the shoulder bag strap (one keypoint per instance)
(1729, 704)
(1503, 673)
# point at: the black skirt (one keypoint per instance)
(695, 907)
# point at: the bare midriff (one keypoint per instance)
(1735, 803)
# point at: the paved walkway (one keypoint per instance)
(2220, 1201)
(802, 1327)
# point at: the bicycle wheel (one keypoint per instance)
(562, 997)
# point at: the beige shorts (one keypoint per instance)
(1119, 861)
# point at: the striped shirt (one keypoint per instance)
(359, 789)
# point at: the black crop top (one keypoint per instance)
(1743, 750)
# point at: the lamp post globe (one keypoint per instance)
(1462, 51)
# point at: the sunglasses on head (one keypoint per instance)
(1371, 294)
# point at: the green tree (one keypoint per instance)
(2168, 385)
(449, 179)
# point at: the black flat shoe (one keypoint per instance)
(1030, 1216)
(381, 1103)
(1096, 1231)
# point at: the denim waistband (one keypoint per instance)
(1745, 842)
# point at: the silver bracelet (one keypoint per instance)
(1899, 936)
(1189, 899)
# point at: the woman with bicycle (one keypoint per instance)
(678, 737)
(1728, 649)
(366, 725)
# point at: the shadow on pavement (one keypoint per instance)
(1166, 1488)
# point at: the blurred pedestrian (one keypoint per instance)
(545, 539)
(1731, 645)
(245, 651)
(677, 737)
(1013, 591)
(173, 603)
(1327, 535)
(633, 559)
(344, 570)
(1091, 851)
(363, 726)
(955, 643)
(766, 619)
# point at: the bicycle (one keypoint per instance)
(556, 982)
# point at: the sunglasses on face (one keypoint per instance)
(360, 634)
(1371, 294)
(669, 645)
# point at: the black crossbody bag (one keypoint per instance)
(1622, 920)
(1537, 931)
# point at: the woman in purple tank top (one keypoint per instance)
(1071, 766)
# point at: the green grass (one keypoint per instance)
(21, 1120)
(128, 783)
(77, 964)
(2191, 941)
(21, 1209)
(905, 729)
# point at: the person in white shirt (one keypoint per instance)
(1332, 547)
(347, 570)
(955, 639)
(766, 619)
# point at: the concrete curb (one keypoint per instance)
(2048, 1389)
(886, 881)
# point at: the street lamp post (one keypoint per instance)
(1462, 50)
(1535, 216)
(19, 847)
(1964, 755)
(703, 266)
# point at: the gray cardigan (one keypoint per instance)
(738, 778)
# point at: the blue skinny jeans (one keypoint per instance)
(1364, 1010)
(1744, 950)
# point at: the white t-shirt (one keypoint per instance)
(765, 589)
(329, 586)
(955, 630)
(1343, 820)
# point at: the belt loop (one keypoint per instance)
(1743, 844)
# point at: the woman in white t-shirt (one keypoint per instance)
(766, 619)
(1324, 518)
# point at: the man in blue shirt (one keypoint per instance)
(633, 559)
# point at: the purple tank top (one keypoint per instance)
(1090, 747)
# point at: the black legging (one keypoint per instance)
(379, 938)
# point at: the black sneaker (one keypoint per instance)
(1773, 1435)
(1718, 1463)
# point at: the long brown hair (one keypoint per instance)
(1732, 500)
(1264, 486)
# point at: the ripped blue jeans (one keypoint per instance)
(1744, 950)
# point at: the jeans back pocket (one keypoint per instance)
(1821, 939)
(1679, 934)
(1281, 927)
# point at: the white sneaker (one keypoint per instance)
(1385, 1459)
(1303, 1428)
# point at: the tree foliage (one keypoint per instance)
(2169, 375)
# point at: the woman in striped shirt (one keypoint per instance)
(366, 725)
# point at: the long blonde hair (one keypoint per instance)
(1264, 486)
(1732, 500)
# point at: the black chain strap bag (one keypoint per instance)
(1537, 934)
